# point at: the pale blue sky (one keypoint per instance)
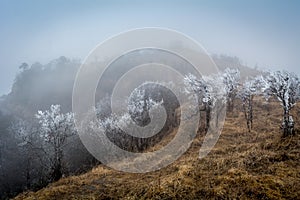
(262, 32)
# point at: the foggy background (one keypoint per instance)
(261, 33)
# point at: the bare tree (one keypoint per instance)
(286, 87)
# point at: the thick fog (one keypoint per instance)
(43, 45)
(263, 34)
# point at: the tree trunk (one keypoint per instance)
(251, 113)
(57, 165)
(286, 122)
(208, 112)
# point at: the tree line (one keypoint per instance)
(283, 85)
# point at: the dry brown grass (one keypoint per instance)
(242, 165)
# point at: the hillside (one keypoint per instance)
(224, 61)
(37, 87)
(242, 165)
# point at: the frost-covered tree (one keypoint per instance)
(246, 93)
(286, 87)
(200, 88)
(208, 90)
(139, 106)
(231, 79)
(55, 128)
(30, 147)
(103, 107)
(137, 115)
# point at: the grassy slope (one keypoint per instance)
(257, 165)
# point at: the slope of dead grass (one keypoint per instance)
(242, 165)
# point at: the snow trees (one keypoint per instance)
(55, 127)
(281, 84)
(231, 78)
(208, 90)
(201, 89)
(286, 87)
(139, 106)
(123, 127)
(31, 151)
(246, 93)
(211, 88)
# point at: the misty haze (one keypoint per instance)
(234, 132)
